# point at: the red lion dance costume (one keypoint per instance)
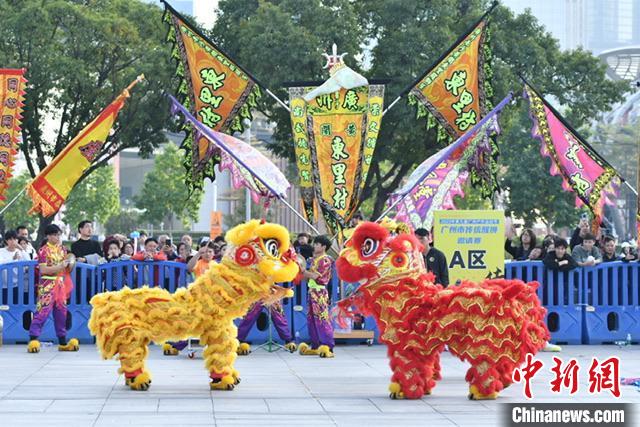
(492, 325)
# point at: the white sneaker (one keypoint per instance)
(552, 348)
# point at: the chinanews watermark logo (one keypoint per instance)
(602, 379)
(567, 414)
(603, 376)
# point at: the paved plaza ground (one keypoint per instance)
(80, 389)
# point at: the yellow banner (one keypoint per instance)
(452, 91)
(335, 135)
(213, 88)
(50, 189)
(12, 83)
(472, 242)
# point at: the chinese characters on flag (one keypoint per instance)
(12, 83)
(50, 189)
(453, 91)
(217, 91)
(584, 171)
(602, 376)
(335, 135)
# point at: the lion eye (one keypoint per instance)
(399, 260)
(369, 247)
(273, 247)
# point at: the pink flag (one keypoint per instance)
(584, 171)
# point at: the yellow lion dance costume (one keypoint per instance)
(125, 322)
(492, 325)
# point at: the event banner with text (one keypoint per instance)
(472, 241)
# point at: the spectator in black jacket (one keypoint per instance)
(559, 259)
(609, 250)
(85, 245)
(582, 230)
(302, 246)
(435, 260)
(527, 243)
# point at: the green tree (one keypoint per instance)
(239, 214)
(124, 222)
(79, 55)
(164, 193)
(18, 213)
(96, 198)
(399, 40)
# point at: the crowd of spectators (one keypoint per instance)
(17, 246)
(584, 249)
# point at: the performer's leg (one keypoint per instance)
(280, 322)
(219, 356)
(282, 326)
(432, 362)
(245, 326)
(305, 350)
(324, 329)
(173, 348)
(60, 321)
(44, 305)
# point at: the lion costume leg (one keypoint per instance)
(132, 352)
(484, 381)
(219, 356)
(409, 373)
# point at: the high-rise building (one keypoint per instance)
(595, 25)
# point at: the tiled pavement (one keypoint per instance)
(80, 389)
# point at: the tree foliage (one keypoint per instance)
(124, 222)
(79, 55)
(239, 214)
(96, 198)
(18, 213)
(281, 40)
(164, 194)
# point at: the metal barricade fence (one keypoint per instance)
(587, 305)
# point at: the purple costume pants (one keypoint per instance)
(46, 303)
(318, 322)
(277, 317)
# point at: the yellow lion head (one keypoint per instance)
(264, 248)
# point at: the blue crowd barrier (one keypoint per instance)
(19, 296)
(587, 305)
(169, 275)
(612, 310)
(561, 293)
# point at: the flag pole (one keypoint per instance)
(13, 200)
(278, 100)
(133, 83)
(441, 58)
(638, 198)
(205, 130)
(299, 215)
(469, 134)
